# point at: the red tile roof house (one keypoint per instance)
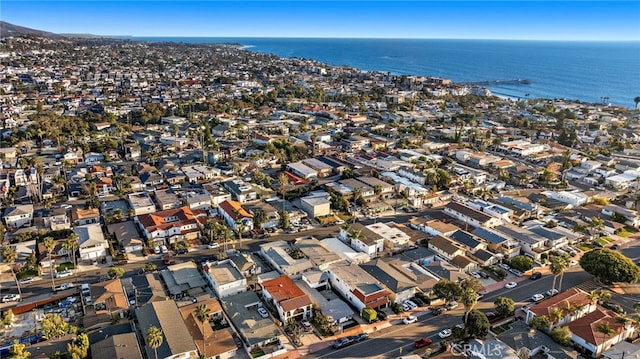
(288, 299)
(173, 225)
(573, 304)
(234, 215)
(585, 333)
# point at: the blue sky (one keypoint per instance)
(535, 20)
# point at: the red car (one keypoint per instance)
(422, 342)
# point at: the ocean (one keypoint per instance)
(594, 72)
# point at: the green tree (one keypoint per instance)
(154, 338)
(116, 272)
(447, 290)
(17, 351)
(8, 318)
(49, 245)
(150, 267)
(610, 266)
(369, 314)
(505, 306)
(561, 335)
(469, 298)
(54, 326)
(259, 217)
(203, 313)
(284, 221)
(522, 263)
(74, 351)
(9, 256)
(606, 330)
(541, 322)
(477, 324)
(471, 283)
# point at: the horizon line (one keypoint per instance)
(361, 38)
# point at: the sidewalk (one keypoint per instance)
(490, 288)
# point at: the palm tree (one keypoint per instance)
(9, 255)
(203, 313)
(49, 245)
(209, 229)
(606, 331)
(283, 180)
(71, 245)
(557, 266)
(555, 315)
(593, 298)
(154, 338)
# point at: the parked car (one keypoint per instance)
(613, 306)
(536, 275)
(537, 297)
(451, 305)
(410, 319)
(182, 251)
(213, 245)
(63, 286)
(418, 302)
(163, 249)
(445, 333)
(26, 280)
(342, 342)
(484, 275)
(437, 310)
(306, 325)
(510, 285)
(156, 250)
(552, 292)
(491, 315)
(263, 312)
(421, 343)
(64, 273)
(381, 315)
(411, 304)
(615, 246)
(11, 298)
(360, 337)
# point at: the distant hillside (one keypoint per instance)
(7, 29)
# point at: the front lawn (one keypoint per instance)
(624, 233)
(584, 247)
(65, 266)
(501, 328)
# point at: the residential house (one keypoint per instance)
(236, 216)
(585, 333)
(338, 312)
(468, 241)
(315, 206)
(578, 306)
(320, 257)
(240, 190)
(445, 248)
(363, 239)
(288, 299)
(224, 277)
(167, 199)
(169, 226)
(531, 243)
(403, 278)
(491, 209)
(498, 242)
(413, 175)
(219, 343)
(357, 186)
(358, 287)
(141, 203)
(57, 219)
(575, 198)
(301, 170)
(433, 227)
(382, 188)
(631, 217)
(91, 242)
(285, 258)
(394, 238)
(117, 346)
(254, 330)
(18, 216)
(109, 297)
(345, 252)
(471, 216)
(177, 341)
(197, 199)
(323, 169)
(126, 233)
(81, 216)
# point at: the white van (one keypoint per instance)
(85, 289)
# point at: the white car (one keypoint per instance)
(164, 249)
(26, 280)
(451, 305)
(263, 312)
(410, 319)
(213, 245)
(11, 298)
(411, 304)
(510, 285)
(573, 263)
(156, 250)
(64, 273)
(445, 333)
(537, 297)
(552, 292)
